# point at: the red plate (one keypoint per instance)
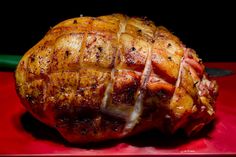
(20, 133)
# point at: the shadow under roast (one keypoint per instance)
(153, 138)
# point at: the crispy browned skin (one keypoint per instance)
(112, 76)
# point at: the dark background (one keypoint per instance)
(208, 27)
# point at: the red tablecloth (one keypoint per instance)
(22, 134)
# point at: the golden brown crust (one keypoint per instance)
(111, 76)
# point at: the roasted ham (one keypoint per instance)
(108, 77)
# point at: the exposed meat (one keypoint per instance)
(99, 78)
